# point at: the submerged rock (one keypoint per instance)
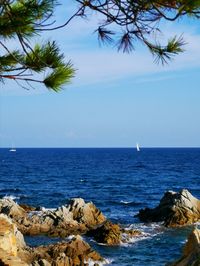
(191, 251)
(174, 209)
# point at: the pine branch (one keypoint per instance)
(59, 77)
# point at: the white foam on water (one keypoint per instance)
(183, 242)
(71, 237)
(133, 240)
(98, 243)
(11, 197)
(150, 227)
(100, 263)
(133, 213)
(147, 232)
(125, 202)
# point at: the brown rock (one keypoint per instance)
(127, 234)
(27, 208)
(86, 213)
(174, 209)
(108, 233)
(112, 234)
(11, 240)
(74, 252)
(191, 251)
(75, 218)
(11, 209)
(14, 252)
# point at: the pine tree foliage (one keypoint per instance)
(126, 21)
(122, 24)
(20, 21)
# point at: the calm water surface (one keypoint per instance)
(118, 181)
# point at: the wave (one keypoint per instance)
(130, 203)
(70, 237)
(125, 202)
(90, 262)
(148, 228)
(12, 197)
(127, 240)
(147, 231)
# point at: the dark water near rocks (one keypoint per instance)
(118, 181)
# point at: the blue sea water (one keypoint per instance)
(119, 181)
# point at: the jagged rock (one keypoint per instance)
(127, 234)
(75, 218)
(108, 233)
(191, 251)
(174, 209)
(75, 252)
(10, 208)
(27, 208)
(14, 252)
(112, 234)
(11, 240)
(85, 213)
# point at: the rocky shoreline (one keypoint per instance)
(79, 218)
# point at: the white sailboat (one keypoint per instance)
(137, 147)
(12, 149)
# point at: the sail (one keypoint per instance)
(12, 149)
(137, 147)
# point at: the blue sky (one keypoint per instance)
(115, 100)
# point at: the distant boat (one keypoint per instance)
(137, 147)
(12, 149)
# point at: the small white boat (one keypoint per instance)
(137, 147)
(12, 150)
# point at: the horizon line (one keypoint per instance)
(106, 147)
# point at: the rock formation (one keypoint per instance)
(191, 251)
(11, 240)
(11, 209)
(112, 234)
(14, 252)
(77, 217)
(174, 209)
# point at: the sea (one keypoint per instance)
(119, 181)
